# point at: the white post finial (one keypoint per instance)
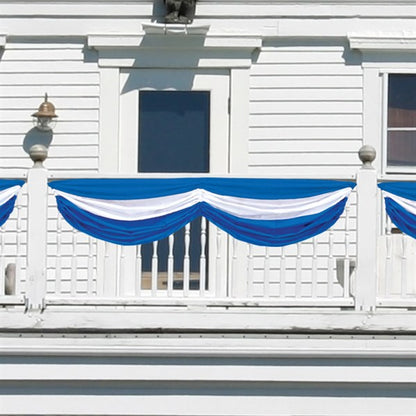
(367, 155)
(38, 153)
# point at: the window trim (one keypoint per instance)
(195, 51)
(392, 169)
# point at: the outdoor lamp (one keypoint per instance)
(45, 118)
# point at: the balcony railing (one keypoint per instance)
(361, 263)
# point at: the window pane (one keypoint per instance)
(402, 100)
(174, 131)
(401, 148)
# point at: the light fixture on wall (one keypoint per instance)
(45, 118)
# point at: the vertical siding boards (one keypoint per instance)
(71, 78)
(305, 111)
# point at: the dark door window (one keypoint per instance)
(174, 131)
(174, 138)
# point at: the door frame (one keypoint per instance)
(155, 48)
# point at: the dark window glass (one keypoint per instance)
(174, 137)
(401, 122)
(174, 131)
(401, 148)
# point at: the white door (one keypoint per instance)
(134, 84)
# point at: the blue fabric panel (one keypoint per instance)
(404, 189)
(6, 209)
(122, 189)
(264, 233)
(402, 218)
(8, 183)
(275, 233)
(125, 232)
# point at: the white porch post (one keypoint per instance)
(37, 188)
(367, 231)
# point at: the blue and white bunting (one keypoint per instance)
(400, 201)
(9, 189)
(272, 212)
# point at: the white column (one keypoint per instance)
(37, 188)
(367, 232)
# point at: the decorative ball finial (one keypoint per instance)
(367, 155)
(38, 153)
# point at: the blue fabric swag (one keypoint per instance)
(259, 232)
(402, 218)
(7, 208)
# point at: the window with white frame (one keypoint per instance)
(401, 122)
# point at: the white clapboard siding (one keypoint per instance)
(74, 90)
(71, 78)
(310, 120)
(63, 103)
(305, 145)
(299, 81)
(305, 107)
(296, 132)
(305, 110)
(309, 94)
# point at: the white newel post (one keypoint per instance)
(37, 188)
(367, 231)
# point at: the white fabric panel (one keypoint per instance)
(8, 193)
(265, 209)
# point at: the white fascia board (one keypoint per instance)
(383, 41)
(211, 345)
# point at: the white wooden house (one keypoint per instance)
(326, 326)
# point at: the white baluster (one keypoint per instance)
(122, 272)
(74, 263)
(19, 245)
(186, 260)
(106, 278)
(171, 262)
(90, 266)
(203, 259)
(2, 260)
(220, 288)
(58, 263)
(155, 271)
(403, 285)
(314, 289)
(298, 287)
(139, 275)
(389, 258)
(347, 261)
(331, 265)
(267, 272)
(250, 267)
(233, 277)
(283, 273)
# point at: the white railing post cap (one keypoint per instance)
(38, 153)
(367, 155)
